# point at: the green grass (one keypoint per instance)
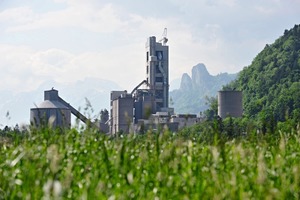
(87, 165)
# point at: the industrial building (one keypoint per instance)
(141, 109)
(230, 103)
(157, 71)
(127, 110)
(148, 108)
(122, 113)
(136, 108)
(185, 120)
(51, 112)
(56, 112)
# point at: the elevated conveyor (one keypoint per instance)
(53, 97)
(75, 112)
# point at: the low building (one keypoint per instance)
(185, 120)
(122, 114)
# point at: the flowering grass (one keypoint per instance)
(47, 164)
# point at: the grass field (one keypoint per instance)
(46, 164)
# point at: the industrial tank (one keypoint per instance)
(51, 112)
(230, 104)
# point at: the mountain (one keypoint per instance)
(175, 84)
(190, 97)
(271, 84)
(89, 96)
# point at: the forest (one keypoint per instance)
(271, 84)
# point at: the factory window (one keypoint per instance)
(158, 79)
(159, 55)
(147, 56)
(157, 70)
(147, 69)
(159, 94)
(159, 106)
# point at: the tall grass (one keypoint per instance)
(67, 164)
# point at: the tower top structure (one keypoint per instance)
(157, 70)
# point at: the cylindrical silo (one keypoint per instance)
(51, 112)
(230, 104)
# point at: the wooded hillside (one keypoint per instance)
(271, 84)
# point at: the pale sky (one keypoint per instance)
(69, 40)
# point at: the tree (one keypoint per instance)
(271, 84)
(212, 111)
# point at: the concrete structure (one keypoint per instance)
(56, 112)
(148, 108)
(51, 112)
(185, 120)
(122, 114)
(230, 104)
(143, 104)
(157, 71)
(114, 95)
(155, 124)
(139, 110)
(160, 118)
(163, 120)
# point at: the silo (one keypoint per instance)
(51, 112)
(143, 105)
(122, 113)
(230, 104)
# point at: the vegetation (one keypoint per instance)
(271, 84)
(254, 157)
(197, 163)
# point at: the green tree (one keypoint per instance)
(212, 111)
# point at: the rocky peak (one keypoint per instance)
(186, 82)
(200, 75)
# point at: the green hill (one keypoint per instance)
(271, 84)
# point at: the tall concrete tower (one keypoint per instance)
(157, 70)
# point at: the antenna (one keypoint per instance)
(164, 38)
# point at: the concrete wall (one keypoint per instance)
(113, 96)
(52, 117)
(122, 114)
(230, 104)
(185, 120)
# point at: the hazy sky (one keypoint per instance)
(69, 40)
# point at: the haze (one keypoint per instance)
(70, 40)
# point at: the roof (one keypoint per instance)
(52, 104)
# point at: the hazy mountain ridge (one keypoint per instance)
(190, 97)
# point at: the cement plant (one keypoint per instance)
(135, 111)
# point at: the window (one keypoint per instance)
(158, 79)
(159, 94)
(159, 106)
(157, 70)
(147, 56)
(159, 55)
